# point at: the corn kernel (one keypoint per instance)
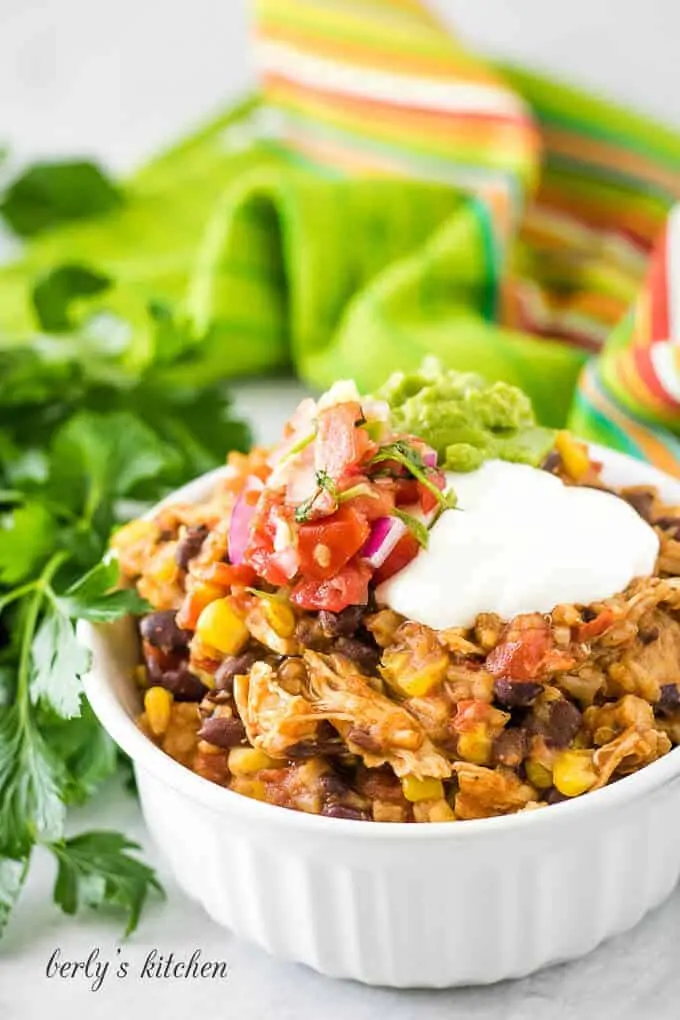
(415, 789)
(475, 746)
(243, 761)
(442, 812)
(220, 627)
(158, 705)
(249, 788)
(573, 772)
(538, 775)
(574, 455)
(280, 617)
(203, 747)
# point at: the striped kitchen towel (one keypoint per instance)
(393, 195)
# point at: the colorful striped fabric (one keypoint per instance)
(393, 195)
(577, 191)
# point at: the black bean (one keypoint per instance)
(516, 693)
(648, 634)
(343, 624)
(365, 656)
(161, 631)
(223, 732)
(641, 501)
(553, 796)
(309, 633)
(510, 747)
(182, 684)
(669, 699)
(671, 525)
(190, 545)
(333, 786)
(558, 723)
(340, 811)
(364, 740)
(232, 666)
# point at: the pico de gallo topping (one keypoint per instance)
(347, 502)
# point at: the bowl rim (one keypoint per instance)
(221, 800)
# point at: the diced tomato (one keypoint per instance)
(428, 500)
(276, 565)
(527, 651)
(195, 602)
(377, 501)
(226, 574)
(407, 492)
(348, 588)
(340, 442)
(469, 714)
(404, 551)
(325, 546)
(593, 628)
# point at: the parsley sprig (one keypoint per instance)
(85, 430)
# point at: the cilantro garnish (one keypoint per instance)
(401, 452)
(324, 483)
(415, 526)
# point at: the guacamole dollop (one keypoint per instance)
(464, 418)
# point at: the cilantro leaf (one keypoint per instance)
(59, 661)
(31, 782)
(415, 526)
(50, 193)
(94, 596)
(324, 483)
(96, 869)
(57, 288)
(27, 537)
(408, 456)
(12, 876)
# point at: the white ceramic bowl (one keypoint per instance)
(404, 905)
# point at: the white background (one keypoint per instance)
(118, 80)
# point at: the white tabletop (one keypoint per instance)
(117, 80)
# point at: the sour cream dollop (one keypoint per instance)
(520, 542)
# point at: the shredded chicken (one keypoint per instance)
(274, 719)
(484, 792)
(651, 661)
(373, 726)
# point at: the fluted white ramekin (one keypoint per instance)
(404, 905)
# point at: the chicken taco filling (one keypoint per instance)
(347, 626)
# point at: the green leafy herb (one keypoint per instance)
(401, 452)
(55, 290)
(324, 483)
(47, 194)
(416, 527)
(27, 536)
(86, 427)
(95, 598)
(12, 877)
(97, 869)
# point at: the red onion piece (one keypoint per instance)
(241, 517)
(385, 533)
(430, 458)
